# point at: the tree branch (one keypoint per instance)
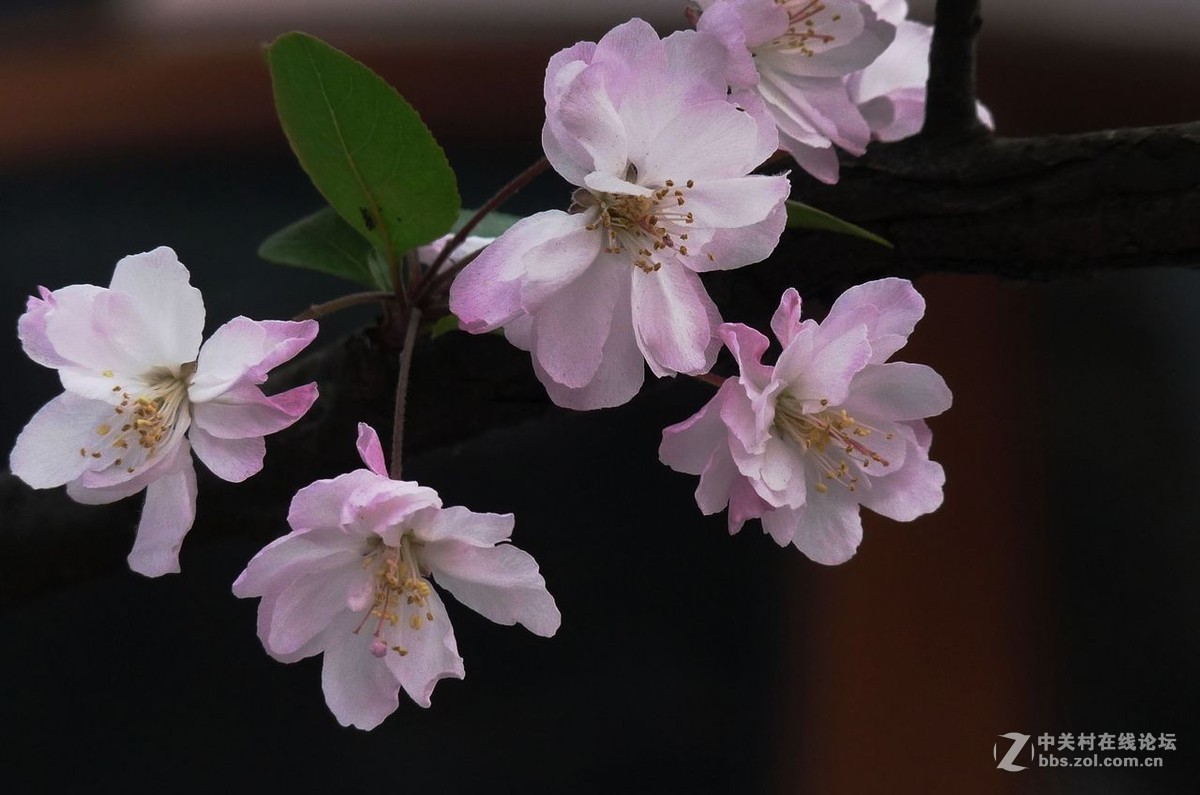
(950, 94)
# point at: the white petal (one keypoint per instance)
(166, 518)
(161, 290)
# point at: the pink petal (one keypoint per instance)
(675, 320)
(461, 525)
(245, 411)
(305, 606)
(707, 142)
(619, 376)
(569, 248)
(915, 489)
(370, 450)
(31, 329)
(100, 331)
(360, 690)
(501, 583)
(734, 248)
(246, 349)
(688, 445)
(828, 531)
(735, 202)
(487, 293)
(819, 161)
(747, 346)
(744, 505)
(890, 308)
(586, 112)
(233, 460)
(47, 451)
(823, 373)
(321, 504)
(280, 562)
(717, 480)
(167, 516)
(572, 326)
(785, 323)
(898, 391)
(163, 295)
(432, 653)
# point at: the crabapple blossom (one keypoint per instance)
(795, 56)
(352, 581)
(832, 426)
(141, 393)
(661, 156)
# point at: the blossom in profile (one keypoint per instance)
(832, 426)
(142, 393)
(661, 156)
(354, 581)
(796, 55)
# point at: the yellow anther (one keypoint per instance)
(415, 622)
(107, 374)
(103, 429)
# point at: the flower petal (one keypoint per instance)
(501, 583)
(320, 504)
(487, 293)
(687, 446)
(432, 653)
(734, 248)
(233, 460)
(167, 516)
(162, 293)
(31, 329)
(305, 606)
(712, 141)
(50, 450)
(829, 530)
(674, 320)
(571, 327)
(360, 690)
(913, 490)
(890, 308)
(468, 527)
(245, 411)
(370, 450)
(898, 391)
(246, 349)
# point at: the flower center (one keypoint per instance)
(641, 226)
(834, 439)
(802, 34)
(141, 422)
(400, 588)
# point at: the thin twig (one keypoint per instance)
(710, 378)
(502, 195)
(345, 302)
(406, 355)
(950, 92)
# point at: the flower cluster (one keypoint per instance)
(661, 139)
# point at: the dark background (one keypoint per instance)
(1056, 590)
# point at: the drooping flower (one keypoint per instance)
(353, 581)
(832, 426)
(795, 55)
(662, 157)
(141, 393)
(890, 92)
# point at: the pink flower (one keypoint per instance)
(142, 393)
(352, 580)
(795, 55)
(831, 426)
(661, 157)
(890, 92)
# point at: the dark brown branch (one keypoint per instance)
(1025, 208)
(950, 96)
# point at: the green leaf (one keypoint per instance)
(803, 216)
(492, 225)
(365, 148)
(442, 325)
(323, 242)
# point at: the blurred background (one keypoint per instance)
(1056, 591)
